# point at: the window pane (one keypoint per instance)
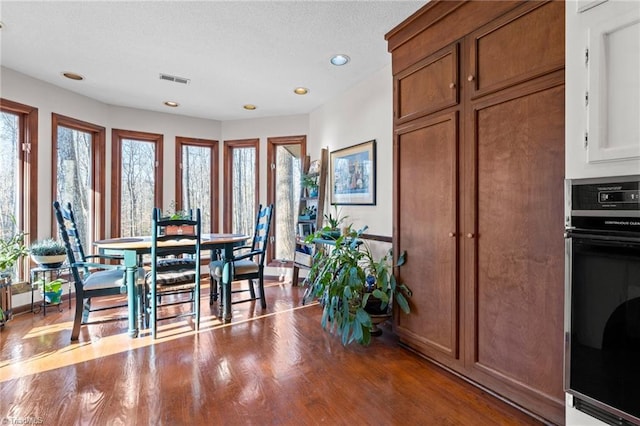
(288, 174)
(244, 189)
(73, 177)
(196, 181)
(138, 187)
(9, 185)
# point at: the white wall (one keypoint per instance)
(361, 114)
(49, 98)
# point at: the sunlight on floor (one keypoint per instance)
(82, 351)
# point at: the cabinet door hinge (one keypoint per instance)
(586, 140)
(273, 166)
(26, 147)
(586, 56)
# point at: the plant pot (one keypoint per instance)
(54, 261)
(331, 235)
(179, 230)
(53, 297)
(377, 314)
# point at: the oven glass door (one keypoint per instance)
(604, 353)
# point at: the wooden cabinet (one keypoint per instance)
(479, 187)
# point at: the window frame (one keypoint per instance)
(229, 146)
(203, 143)
(28, 171)
(117, 135)
(98, 162)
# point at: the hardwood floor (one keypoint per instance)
(272, 367)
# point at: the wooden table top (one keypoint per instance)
(144, 242)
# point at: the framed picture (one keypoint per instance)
(314, 167)
(353, 174)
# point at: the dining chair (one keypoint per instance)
(92, 278)
(175, 267)
(247, 263)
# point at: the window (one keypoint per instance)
(241, 185)
(285, 156)
(78, 173)
(197, 178)
(18, 176)
(135, 181)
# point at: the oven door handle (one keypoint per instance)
(613, 239)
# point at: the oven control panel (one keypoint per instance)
(590, 194)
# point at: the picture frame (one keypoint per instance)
(352, 174)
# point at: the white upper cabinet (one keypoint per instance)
(603, 89)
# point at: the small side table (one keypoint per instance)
(48, 275)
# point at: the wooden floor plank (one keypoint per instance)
(272, 367)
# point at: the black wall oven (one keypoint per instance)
(602, 353)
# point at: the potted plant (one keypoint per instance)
(174, 214)
(51, 291)
(333, 222)
(11, 250)
(352, 286)
(48, 253)
(309, 213)
(310, 183)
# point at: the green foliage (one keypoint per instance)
(50, 286)
(309, 181)
(174, 214)
(344, 277)
(47, 247)
(11, 250)
(334, 220)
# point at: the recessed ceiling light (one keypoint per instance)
(171, 104)
(249, 107)
(300, 90)
(340, 59)
(73, 76)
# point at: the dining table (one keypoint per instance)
(132, 248)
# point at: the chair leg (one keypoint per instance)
(263, 300)
(196, 305)
(252, 290)
(77, 320)
(86, 309)
(213, 290)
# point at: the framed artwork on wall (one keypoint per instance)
(353, 174)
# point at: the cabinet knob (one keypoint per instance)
(470, 78)
(470, 235)
(452, 85)
(452, 234)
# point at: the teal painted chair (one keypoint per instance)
(92, 277)
(174, 278)
(248, 262)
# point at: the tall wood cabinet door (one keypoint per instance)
(428, 86)
(425, 169)
(525, 43)
(515, 321)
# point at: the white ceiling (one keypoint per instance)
(234, 52)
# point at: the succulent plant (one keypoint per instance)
(47, 247)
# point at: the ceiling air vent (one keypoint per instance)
(174, 78)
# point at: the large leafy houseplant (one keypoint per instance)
(12, 249)
(346, 278)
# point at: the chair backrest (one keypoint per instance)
(69, 221)
(64, 217)
(261, 234)
(167, 233)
